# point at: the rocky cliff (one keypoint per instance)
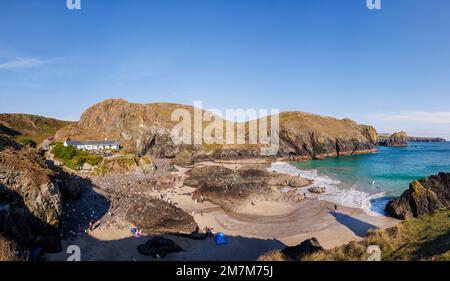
(30, 197)
(423, 197)
(146, 128)
(304, 134)
(399, 139)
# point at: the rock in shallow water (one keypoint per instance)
(399, 139)
(317, 190)
(423, 197)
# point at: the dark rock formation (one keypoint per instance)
(307, 247)
(317, 190)
(159, 246)
(399, 139)
(423, 197)
(30, 198)
(231, 189)
(158, 217)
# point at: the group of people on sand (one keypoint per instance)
(137, 232)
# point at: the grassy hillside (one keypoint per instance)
(24, 126)
(419, 239)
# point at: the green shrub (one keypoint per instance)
(92, 160)
(74, 158)
(64, 153)
(27, 141)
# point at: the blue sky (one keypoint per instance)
(389, 68)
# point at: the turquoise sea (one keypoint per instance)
(370, 180)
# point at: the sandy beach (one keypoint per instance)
(255, 230)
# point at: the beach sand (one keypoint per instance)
(255, 230)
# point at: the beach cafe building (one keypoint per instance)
(93, 145)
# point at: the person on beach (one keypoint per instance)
(335, 208)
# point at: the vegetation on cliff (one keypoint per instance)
(36, 128)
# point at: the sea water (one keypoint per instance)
(369, 181)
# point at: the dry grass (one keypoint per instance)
(418, 239)
(272, 256)
(6, 250)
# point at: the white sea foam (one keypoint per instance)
(349, 197)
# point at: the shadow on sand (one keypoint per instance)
(237, 249)
(358, 227)
(90, 207)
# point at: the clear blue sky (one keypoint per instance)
(389, 68)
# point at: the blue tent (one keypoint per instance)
(221, 239)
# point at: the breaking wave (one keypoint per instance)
(350, 197)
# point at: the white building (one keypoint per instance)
(93, 145)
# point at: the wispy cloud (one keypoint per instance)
(20, 63)
(427, 117)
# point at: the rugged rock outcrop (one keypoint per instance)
(423, 197)
(184, 158)
(309, 135)
(125, 164)
(307, 247)
(30, 197)
(146, 129)
(158, 217)
(398, 139)
(232, 189)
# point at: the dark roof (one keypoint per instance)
(75, 143)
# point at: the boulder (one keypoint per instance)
(317, 190)
(183, 159)
(158, 217)
(307, 247)
(424, 196)
(276, 179)
(159, 246)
